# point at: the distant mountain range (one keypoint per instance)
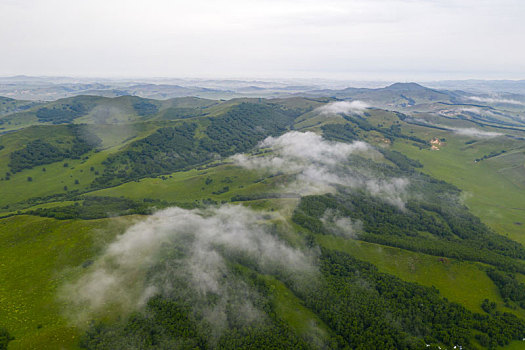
(53, 88)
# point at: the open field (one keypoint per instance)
(493, 192)
(38, 256)
(462, 282)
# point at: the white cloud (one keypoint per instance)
(496, 100)
(473, 132)
(319, 165)
(340, 225)
(343, 107)
(126, 276)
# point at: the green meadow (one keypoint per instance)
(492, 188)
(38, 256)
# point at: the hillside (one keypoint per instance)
(333, 219)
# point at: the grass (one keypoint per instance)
(461, 282)
(291, 309)
(188, 186)
(515, 345)
(496, 196)
(56, 176)
(42, 254)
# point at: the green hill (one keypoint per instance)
(261, 223)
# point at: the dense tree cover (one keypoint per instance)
(509, 287)
(63, 113)
(35, 153)
(363, 308)
(373, 310)
(243, 126)
(169, 324)
(40, 152)
(456, 233)
(435, 211)
(5, 338)
(340, 133)
(177, 322)
(145, 109)
(399, 159)
(166, 325)
(95, 207)
(175, 148)
(166, 150)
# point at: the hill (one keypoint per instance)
(301, 222)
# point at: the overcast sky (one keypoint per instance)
(347, 39)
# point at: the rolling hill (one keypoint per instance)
(293, 222)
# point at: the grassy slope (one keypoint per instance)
(495, 195)
(294, 313)
(191, 185)
(51, 244)
(56, 175)
(464, 283)
(461, 282)
(42, 254)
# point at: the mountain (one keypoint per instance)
(398, 95)
(304, 222)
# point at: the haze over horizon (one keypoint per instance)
(353, 40)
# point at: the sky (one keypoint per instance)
(331, 39)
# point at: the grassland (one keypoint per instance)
(462, 282)
(195, 185)
(38, 256)
(59, 177)
(492, 190)
(294, 313)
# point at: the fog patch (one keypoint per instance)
(340, 225)
(106, 114)
(319, 166)
(390, 190)
(473, 132)
(343, 107)
(185, 253)
(495, 100)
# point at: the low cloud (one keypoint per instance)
(495, 100)
(319, 165)
(185, 252)
(473, 132)
(340, 225)
(343, 107)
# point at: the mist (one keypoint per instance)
(319, 166)
(495, 100)
(343, 107)
(186, 253)
(473, 132)
(340, 225)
